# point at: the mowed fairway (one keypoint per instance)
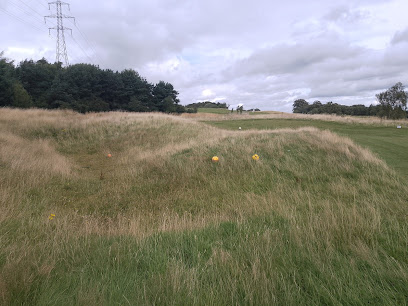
(129, 209)
(221, 111)
(390, 143)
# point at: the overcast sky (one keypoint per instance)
(261, 53)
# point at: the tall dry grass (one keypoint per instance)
(298, 224)
(168, 152)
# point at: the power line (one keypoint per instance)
(20, 19)
(87, 41)
(29, 11)
(31, 25)
(26, 21)
(25, 4)
(28, 16)
(43, 4)
(83, 51)
(61, 51)
(33, 10)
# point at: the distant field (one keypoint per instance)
(223, 111)
(213, 111)
(390, 143)
(264, 113)
(318, 220)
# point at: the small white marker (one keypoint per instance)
(398, 127)
(239, 128)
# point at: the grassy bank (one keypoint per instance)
(390, 143)
(317, 220)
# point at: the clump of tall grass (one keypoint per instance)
(317, 219)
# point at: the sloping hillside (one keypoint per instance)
(317, 219)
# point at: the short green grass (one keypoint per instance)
(390, 143)
(220, 111)
(264, 113)
(223, 111)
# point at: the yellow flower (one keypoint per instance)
(255, 157)
(52, 216)
(215, 159)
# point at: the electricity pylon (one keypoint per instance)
(61, 45)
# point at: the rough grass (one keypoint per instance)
(373, 121)
(390, 143)
(318, 220)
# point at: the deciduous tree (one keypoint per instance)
(301, 106)
(393, 102)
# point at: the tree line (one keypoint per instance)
(392, 104)
(207, 104)
(192, 107)
(83, 88)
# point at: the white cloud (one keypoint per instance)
(263, 54)
(207, 93)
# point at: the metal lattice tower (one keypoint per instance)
(61, 53)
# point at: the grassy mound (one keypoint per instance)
(382, 138)
(317, 219)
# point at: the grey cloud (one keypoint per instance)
(346, 14)
(285, 59)
(400, 36)
(341, 73)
